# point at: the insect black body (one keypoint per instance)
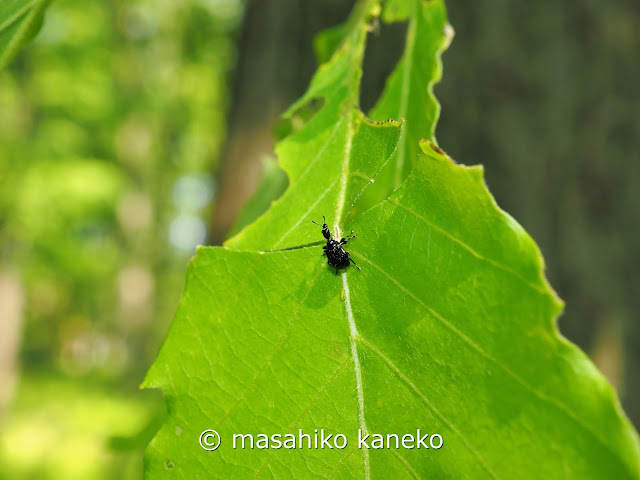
(337, 257)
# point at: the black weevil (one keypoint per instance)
(337, 257)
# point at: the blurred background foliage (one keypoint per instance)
(111, 123)
(131, 131)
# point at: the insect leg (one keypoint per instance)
(344, 240)
(351, 260)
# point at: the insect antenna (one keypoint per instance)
(324, 222)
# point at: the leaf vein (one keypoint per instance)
(470, 249)
(426, 401)
(306, 410)
(304, 215)
(406, 464)
(487, 356)
(249, 388)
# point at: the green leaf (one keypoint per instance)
(334, 157)
(448, 328)
(20, 20)
(408, 93)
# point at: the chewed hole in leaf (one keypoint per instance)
(298, 118)
(384, 50)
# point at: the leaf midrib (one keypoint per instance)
(341, 201)
(354, 336)
(404, 99)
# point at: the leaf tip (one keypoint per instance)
(148, 383)
(434, 151)
(448, 33)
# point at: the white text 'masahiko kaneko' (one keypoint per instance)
(323, 440)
